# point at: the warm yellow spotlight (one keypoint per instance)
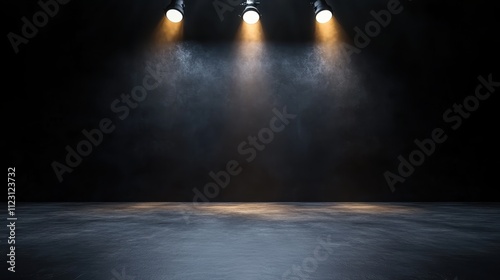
(174, 15)
(328, 38)
(322, 11)
(324, 16)
(167, 32)
(328, 32)
(175, 11)
(250, 33)
(251, 17)
(250, 80)
(251, 13)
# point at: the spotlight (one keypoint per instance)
(251, 14)
(175, 10)
(322, 11)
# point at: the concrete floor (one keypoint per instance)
(256, 241)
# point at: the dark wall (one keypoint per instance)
(354, 114)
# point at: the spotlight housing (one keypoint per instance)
(175, 10)
(250, 13)
(322, 11)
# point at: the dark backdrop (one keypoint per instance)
(353, 118)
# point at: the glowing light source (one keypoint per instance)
(322, 11)
(175, 11)
(251, 14)
(174, 15)
(324, 16)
